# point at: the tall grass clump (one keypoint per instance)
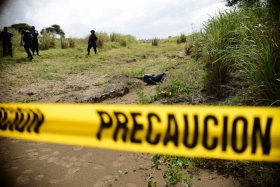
(155, 42)
(71, 42)
(259, 55)
(47, 41)
(64, 43)
(124, 40)
(215, 46)
(171, 39)
(182, 38)
(102, 38)
(131, 39)
(244, 41)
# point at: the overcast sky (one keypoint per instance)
(144, 19)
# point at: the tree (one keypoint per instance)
(272, 5)
(55, 29)
(20, 25)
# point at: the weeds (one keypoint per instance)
(175, 165)
(155, 42)
(47, 41)
(142, 96)
(242, 40)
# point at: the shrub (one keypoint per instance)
(178, 40)
(64, 44)
(183, 38)
(47, 41)
(102, 37)
(188, 48)
(155, 42)
(71, 43)
(115, 37)
(122, 39)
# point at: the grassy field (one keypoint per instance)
(60, 75)
(234, 60)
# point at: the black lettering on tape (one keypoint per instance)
(265, 139)
(244, 135)
(225, 132)
(20, 127)
(171, 137)
(136, 127)
(12, 119)
(38, 119)
(103, 123)
(186, 134)
(3, 118)
(121, 125)
(11, 122)
(21, 118)
(205, 133)
(150, 129)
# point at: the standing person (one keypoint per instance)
(5, 37)
(26, 37)
(92, 42)
(35, 44)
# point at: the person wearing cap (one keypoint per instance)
(92, 42)
(35, 44)
(26, 37)
(5, 37)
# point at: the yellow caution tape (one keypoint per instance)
(238, 133)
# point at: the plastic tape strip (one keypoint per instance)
(244, 133)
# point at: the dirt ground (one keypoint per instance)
(34, 164)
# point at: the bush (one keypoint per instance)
(115, 37)
(64, 43)
(183, 38)
(178, 40)
(47, 41)
(71, 43)
(243, 42)
(102, 37)
(122, 39)
(188, 48)
(155, 42)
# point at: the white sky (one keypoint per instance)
(144, 19)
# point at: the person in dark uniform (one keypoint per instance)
(35, 44)
(26, 37)
(92, 42)
(5, 37)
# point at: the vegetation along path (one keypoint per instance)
(224, 65)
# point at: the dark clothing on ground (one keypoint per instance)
(5, 37)
(35, 43)
(27, 38)
(92, 43)
(153, 79)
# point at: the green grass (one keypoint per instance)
(244, 41)
(238, 46)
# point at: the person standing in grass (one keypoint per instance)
(5, 37)
(92, 42)
(26, 37)
(35, 44)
